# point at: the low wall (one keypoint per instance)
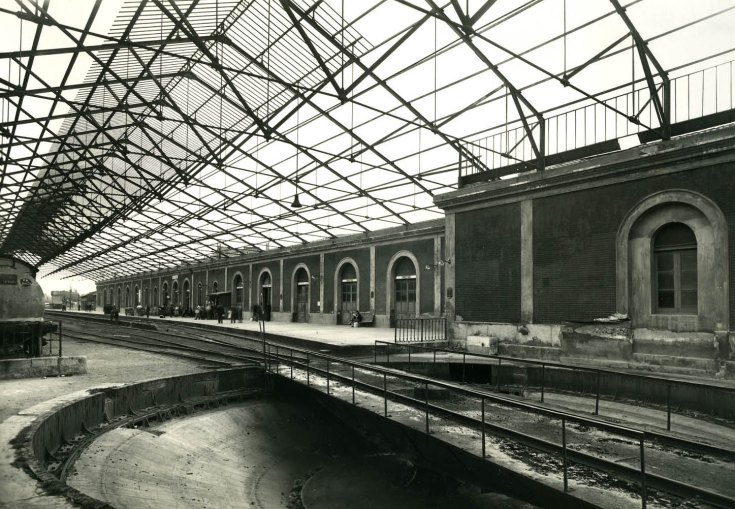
(33, 367)
(430, 451)
(654, 392)
(38, 443)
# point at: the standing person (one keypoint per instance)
(147, 311)
(197, 311)
(220, 313)
(233, 314)
(207, 311)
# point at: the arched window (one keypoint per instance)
(199, 294)
(675, 266)
(175, 290)
(214, 287)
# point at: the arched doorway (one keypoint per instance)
(404, 288)
(238, 289)
(136, 296)
(266, 295)
(301, 304)
(200, 294)
(175, 291)
(127, 296)
(146, 299)
(164, 297)
(155, 296)
(347, 292)
(187, 295)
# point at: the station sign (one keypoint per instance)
(8, 279)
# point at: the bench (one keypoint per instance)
(368, 319)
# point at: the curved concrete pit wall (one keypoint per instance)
(48, 441)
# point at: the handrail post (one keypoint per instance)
(327, 377)
(426, 400)
(60, 338)
(597, 397)
(292, 364)
(353, 384)
(643, 472)
(497, 376)
(375, 352)
(387, 353)
(564, 450)
(395, 332)
(308, 368)
(543, 380)
(278, 361)
(464, 359)
(385, 395)
(668, 406)
(434, 355)
(409, 357)
(482, 399)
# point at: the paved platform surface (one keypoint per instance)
(338, 335)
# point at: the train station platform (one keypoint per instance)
(339, 339)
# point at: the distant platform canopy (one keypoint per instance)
(140, 135)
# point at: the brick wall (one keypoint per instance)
(488, 264)
(574, 241)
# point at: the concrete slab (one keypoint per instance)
(260, 450)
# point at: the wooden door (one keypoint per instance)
(302, 303)
(405, 298)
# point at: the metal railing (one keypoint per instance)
(653, 390)
(343, 378)
(418, 330)
(35, 339)
(694, 95)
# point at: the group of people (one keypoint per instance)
(211, 311)
(208, 312)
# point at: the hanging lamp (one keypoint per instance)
(296, 203)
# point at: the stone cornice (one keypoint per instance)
(708, 148)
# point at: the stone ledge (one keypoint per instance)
(42, 366)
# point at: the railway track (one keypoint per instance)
(592, 451)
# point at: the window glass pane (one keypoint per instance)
(689, 300)
(689, 281)
(674, 235)
(688, 260)
(666, 299)
(665, 261)
(665, 281)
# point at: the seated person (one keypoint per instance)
(355, 318)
